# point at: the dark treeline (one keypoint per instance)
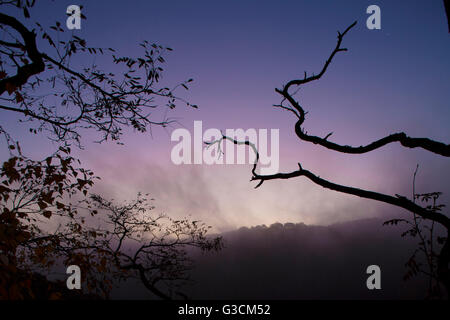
(297, 261)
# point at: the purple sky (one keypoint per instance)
(393, 79)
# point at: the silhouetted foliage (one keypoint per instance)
(54, 88)
(41, 228)
(430, 242)
(48, 219)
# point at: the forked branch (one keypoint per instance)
(406, 141)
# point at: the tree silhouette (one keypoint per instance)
(54, 88)
(47, 216)
(158, 244)
(289, 103)
(427, 236)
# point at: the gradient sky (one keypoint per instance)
(393, 79)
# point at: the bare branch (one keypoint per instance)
(424, 143)
(26, 71)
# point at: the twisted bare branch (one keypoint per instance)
(406, 141)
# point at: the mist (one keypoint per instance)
(298, 261)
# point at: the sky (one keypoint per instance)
(390, 80)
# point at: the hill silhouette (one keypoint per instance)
(298, 261)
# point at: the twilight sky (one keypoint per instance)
(391, 80)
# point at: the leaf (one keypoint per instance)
(42, 205)
(10, 88)
(47, 214)
(394, 221)
(4, 189)
(19, 97)
(47, 197)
